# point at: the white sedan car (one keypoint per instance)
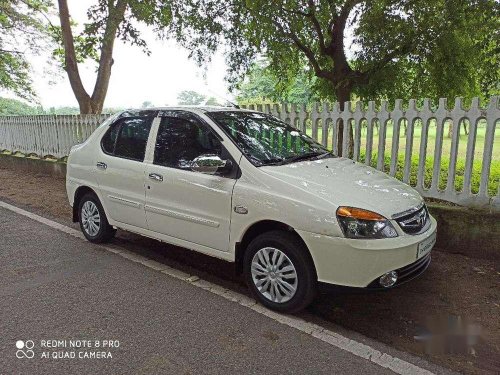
(248, 188)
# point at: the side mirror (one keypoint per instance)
(210, 164)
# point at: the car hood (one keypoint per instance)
(343, 182)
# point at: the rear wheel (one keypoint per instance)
(279, 272)
(93, 221)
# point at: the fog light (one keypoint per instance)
(388, 279)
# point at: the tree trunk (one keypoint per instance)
(70, 61)
(115, 17)
(343, 95)
(91, 104)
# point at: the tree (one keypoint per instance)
(13, 107)
(262, 85)
(190, 97)
(110, 19)
(427, 46)
(22, 30)
(212, 101)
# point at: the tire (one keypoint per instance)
(289, 257)
(93, 221)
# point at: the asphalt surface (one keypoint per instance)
(57, 287)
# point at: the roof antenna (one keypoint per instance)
(222, 97)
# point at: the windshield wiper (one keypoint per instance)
(306, 156)
(271, 162)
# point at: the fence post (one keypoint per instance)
(396, 116)
(492, 114)
(411, 117)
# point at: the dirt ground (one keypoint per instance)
(454, 287)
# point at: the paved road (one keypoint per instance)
(57, 287)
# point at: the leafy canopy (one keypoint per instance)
(22, 29)
(261, 85)
(399, 48)
(189, 97)
(14, 107)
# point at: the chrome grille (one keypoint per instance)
(416, 222)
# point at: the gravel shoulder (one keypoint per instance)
(453, 287)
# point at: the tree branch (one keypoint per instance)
(321, 73)
(312, 16)
(12, 51)
(402, 50)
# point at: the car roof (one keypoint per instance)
(190, 108)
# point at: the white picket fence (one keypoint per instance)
(54, 136)
(46, 135)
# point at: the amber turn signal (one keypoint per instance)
(358, 213)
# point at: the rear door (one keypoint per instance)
(120, 169)
(181, 203)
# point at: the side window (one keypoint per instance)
(127, 138)
(180, 140)
(109, 139)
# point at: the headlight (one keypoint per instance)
(359, 223)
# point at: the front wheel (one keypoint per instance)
(280, 272)
(93, 221)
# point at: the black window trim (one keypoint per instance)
(120, 119)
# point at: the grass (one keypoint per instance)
(494, 178)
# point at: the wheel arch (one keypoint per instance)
(79, 194)
(257, 229)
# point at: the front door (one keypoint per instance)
(182, 203)
(121, 170)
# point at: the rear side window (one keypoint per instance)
(109, 139)
(127, 138)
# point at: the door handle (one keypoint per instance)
(101, 165)
(156, 177)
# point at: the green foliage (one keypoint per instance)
(404, 48)
(452, 50)
(212, 101)
(22, 28)
(261, 85)
(189, 97)
(13, 107)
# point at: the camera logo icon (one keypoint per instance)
(25, 349)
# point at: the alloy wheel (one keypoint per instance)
(91, 219)
(274, 275)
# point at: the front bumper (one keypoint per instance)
(360, 263)
(406, 273)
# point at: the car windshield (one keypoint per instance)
(266, 140)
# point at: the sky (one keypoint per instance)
(135, 77)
